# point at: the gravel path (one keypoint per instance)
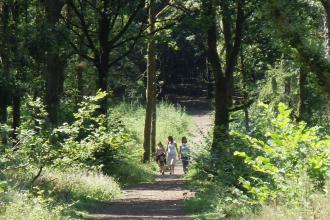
(163, 199)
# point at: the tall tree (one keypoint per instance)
(292, 28)
(326, 6)
(150, 120)
(106, 28)
(223, 69)
(55, 60)
(151, 93)
(5, 65)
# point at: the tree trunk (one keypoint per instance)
(80, 80)
(224, 80)
(54, 86)
(16, 115)
(287, 86)
(153, 129)
(287, 91)
(302, 95)
(150, 121)
(221, 121)
(274, 85)
(54, 76)
(3, 112)
(246, 118)
(209, 80)
(3, 120)
(245, 85)
(4, 87)
(104, 57)
(152, 69)
(102, 82)
(81, 65)
(326, 5)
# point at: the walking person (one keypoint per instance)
(171, 150)
(160, 157)
(184, 154)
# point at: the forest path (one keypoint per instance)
(163, 199)
(199, 108)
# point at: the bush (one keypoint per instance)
(292, 158)
(280, 162)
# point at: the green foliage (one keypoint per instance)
(42, 146)
(66, 157)
(280, 162)
(291, 156)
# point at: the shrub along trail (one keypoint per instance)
(163, 199)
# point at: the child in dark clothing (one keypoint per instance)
(160, 157)
(185, 154)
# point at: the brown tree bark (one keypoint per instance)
(274, 85)
(5, 67)
(302, 95)
(54, 77)
(326, 5)
(80, 79)
(153, 128)
(245, 85)
(221, 121)
(103, 66)
(17, 93)
(224, 80)
(150, 120)
(16, 115)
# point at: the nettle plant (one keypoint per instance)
(292, 159)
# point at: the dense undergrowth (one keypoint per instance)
(66, 171)
(278, 170)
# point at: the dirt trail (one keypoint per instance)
(163, 199)
(201, 112)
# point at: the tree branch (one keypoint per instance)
(126, 26)
(245, 105)
(84, 28)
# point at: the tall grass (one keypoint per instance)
(23, 205)
(79, 184)
(315, 206)
(57, 194)
(171, 120)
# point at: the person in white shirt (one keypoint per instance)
(171, 150)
